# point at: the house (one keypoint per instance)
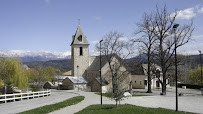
(48, 85)
(138, 77)
(58, 80)
(87, 66)
(156, 75)
(71, 83)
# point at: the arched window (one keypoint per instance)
(81, 51)
(80, 38)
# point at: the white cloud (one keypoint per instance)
(95, 42)
(200, 10)
(94, 52)
(189, 13)
(123, 39)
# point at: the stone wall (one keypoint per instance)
(82, 61)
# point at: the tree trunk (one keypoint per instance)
(164, 84)
(148, 71)
(116, 103)
(149, 85)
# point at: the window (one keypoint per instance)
(145, 82)
(81, 51)
(80, 38)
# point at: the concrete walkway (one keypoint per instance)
(21, 106)
(191, 101)
(90, 99)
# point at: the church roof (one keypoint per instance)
(104, 82)
(96, 63)
(104, 60)
(79, 33)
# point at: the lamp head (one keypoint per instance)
(200, 51)
(100, 41)
(175, 26)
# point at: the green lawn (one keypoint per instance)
(125, 109)
(53, 107)
(111, 96)
(106, 95)
(140, 95)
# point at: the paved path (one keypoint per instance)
(90, 99)
(185, 103)
(191, 101)
(20, 106)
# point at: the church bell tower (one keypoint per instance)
(79, 53)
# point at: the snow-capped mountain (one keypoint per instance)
(29, 56)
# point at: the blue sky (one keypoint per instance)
(49, 24)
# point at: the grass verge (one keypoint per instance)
(49, 108)
(126, 109)
(106, 94)
(140, 95)
(111, 96)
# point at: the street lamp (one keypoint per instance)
(100, 72)
(78, 77)
(200, 54)
(176, 66)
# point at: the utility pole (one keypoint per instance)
(100, 72)
(176, 66)
(200, 54)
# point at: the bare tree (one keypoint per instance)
(163, 22)
(147, 42)
(157, 28)
(116, 50)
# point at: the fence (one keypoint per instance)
(20, 96)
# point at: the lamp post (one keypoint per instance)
(78, 76)
(200, 54)
(100, 72)
(176, 66)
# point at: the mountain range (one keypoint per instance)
(31, 56)
(62, 61)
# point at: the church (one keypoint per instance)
(86, 70)
(87, 67)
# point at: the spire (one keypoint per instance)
(79, 37)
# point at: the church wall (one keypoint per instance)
(90, 76)
(106, 74)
